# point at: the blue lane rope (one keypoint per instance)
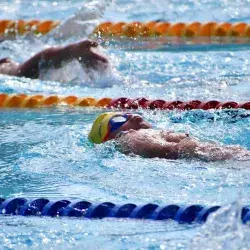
(86, 209)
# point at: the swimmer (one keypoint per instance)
(55, 57)
(133, 135)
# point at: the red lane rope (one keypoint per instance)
(36, 101)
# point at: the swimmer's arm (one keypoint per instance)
(82, 51)
(148, 149)
(56, 56)
(51, 57)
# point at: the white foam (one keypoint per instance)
(223, 230)
(74, 72)
(82, 23)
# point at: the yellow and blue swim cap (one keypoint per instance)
(100, 128)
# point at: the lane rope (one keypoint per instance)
(12, 28)
(42, 101)
(85, 209)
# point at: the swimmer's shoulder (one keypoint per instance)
(141, 133)
(122, 134)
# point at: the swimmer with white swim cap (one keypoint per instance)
(134, 135)
(55, 57)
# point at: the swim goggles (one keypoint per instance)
(116, 122)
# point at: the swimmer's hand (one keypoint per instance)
(82, 51)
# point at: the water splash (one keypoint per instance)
(82, 23)
(102, 76)
(223, 230)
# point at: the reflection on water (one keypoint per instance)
(45, 152)
(106, 233)
(49, 148)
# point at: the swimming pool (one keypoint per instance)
(45, 152)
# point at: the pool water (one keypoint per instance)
(46, 153)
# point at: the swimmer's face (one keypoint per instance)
(134, 122)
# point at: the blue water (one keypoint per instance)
(45, 152)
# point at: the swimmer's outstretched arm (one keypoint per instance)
(55, 57)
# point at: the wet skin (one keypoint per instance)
(142, 140)
(135, 122)
(55, 57)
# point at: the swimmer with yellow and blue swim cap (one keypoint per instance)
(101, 128)
(107, 125)
(136, 136)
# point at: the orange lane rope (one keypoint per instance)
(11, 28)
(167, 29)
(35, 101)
(39, 101)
